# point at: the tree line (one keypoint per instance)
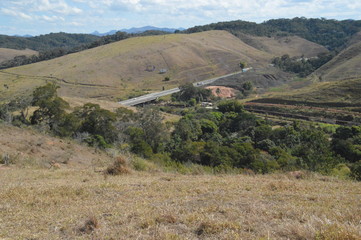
(302, 66)
(332, 34)
(224, 138)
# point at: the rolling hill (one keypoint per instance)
(47, 41)
(7, 53)
(346, 65)
(294, 46)
(336, 93)
(120, 69)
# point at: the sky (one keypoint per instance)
(34, 17)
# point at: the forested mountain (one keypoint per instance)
(332, 34)
(47, 42)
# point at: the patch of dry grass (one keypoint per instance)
(82, 204)
(8, 54)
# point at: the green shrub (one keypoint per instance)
(140, 164)
(341, 171)
(265, 163)
(97, 141)
(356, 170)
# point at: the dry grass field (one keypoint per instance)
(346, 65)
(74, 199)
(118, 70)
(7, 53)
(342, 91)
(294, 46)
(83, 204)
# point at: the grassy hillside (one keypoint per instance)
(346, 65)
(119, 69)
(7, 53)
(78, 201)
(294, 46)
(78, 204)
(333, 94)
(29, 148)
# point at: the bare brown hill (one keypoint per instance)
(134, 66)
(8, 54)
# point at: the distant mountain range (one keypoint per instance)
(138, 30)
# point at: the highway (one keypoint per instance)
(152, 96)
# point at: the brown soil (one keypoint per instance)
(222, 92)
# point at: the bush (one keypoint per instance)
(356, 171)
(265, 163)
(140, 164)
(341, 171)
(119, 167)
(97, 141)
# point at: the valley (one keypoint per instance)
(231, 130)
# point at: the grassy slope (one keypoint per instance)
(7, 53)
(48, 204)
(42, 203)
(294, 46)
(346, 65)
(118, 69)
(347, 91)
(26, 146)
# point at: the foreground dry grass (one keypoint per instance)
(83, 204)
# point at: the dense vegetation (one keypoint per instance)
(332, 34)
(301, 66)
(191, 94)
(224, 139)
(47, 42)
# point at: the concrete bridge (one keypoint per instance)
(153, 96)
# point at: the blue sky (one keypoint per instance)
(36, 17)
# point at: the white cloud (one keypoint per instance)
(56, 6)
(51, 18)
(16, 14)
(115, 14)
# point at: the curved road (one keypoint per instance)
(155, 95)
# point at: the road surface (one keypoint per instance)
(155, 95)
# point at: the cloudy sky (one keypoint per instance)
(36, 17)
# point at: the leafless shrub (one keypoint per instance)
(119, 167)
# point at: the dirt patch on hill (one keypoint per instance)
(223, 92)
(27, 147)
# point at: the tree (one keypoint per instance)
(230, 106)
(188, 91)
(97, 121)
(155, 132)
(51, 108)
(242, 64)
(138, 143)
